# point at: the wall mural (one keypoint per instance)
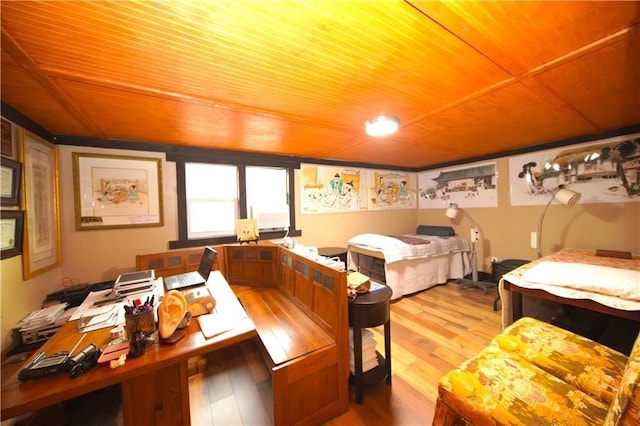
(471, 185)
(603, 171)
(391, 190)
(327, 189)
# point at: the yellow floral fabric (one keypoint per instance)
(625, 409)
(589, 366)
(496, 388)
(537, 374)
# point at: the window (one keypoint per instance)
(212, 196)
(211, 192)
(267, 197)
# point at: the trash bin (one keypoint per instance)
(503, 267)
(506, 266)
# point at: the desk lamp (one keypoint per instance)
(564, 196)
(452, 213)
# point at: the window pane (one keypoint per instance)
(267, 196)
(211, 218)
(212, 199)
(211, 181)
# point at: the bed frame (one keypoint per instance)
(409, 276)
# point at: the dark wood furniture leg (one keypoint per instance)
(387, 349)
(516, 305)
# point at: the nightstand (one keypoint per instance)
(370, 310)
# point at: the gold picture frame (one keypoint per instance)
(113, 192)
(41, 202)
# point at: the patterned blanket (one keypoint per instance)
(410, 240)
(395, 249)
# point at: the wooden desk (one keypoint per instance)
(155, 387)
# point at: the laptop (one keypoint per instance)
(194, 278)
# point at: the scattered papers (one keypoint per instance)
(103, 309)
(42, 318)
(214, 324)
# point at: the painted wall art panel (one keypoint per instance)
(389, 190)
(603, 171)
(327, 189)
(471, 185)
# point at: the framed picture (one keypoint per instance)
(10, 182)
(117, 191)
(11, 228)
(8, 139)
(41, 250)
(247, 230)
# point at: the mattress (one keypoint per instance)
(408, 267)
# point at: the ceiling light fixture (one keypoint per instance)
(382, 126)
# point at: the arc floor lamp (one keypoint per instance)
(562, 195)
(452, 213)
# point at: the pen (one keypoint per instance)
(76, 346)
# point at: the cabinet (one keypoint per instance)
(252, 265)
(370, 310)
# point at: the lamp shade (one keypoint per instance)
(567, 196)
(452, 211)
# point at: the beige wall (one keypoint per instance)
(95, 256)
(87, 256)
(505, 231)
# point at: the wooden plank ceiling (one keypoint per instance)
(466, 79)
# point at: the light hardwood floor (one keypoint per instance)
(431, 333)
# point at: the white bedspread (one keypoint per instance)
(621, 283)
(601, 279)
(395, 250)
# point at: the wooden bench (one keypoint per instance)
(177, 261)
(299, 308)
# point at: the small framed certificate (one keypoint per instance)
(11, 229)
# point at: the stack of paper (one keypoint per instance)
(42, 318)
(369, 357)
(134, 282)
(102, 309)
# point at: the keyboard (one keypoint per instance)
(189, 279)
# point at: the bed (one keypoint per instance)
(575, 277)
(412, 262)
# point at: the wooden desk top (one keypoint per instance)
(22, 397)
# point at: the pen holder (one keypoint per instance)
(143, 321)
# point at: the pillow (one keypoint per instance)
(376, 241)
(436, 231)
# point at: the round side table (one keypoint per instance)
(370, 310)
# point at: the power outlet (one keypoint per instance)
(494, 259)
